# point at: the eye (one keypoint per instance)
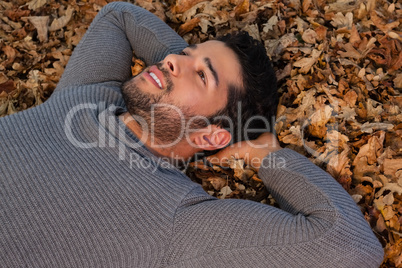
(202, 75)
(183, 53)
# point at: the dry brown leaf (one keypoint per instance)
(78, 34)
(398, 80)
(188, 26)
(306, 5)
(15, 15)
(321, 32)
(204, 24)
(371, 127)
(342, 6)
(374, 108)
(348, 113)
(336, 141)
(381, 24)
(62, 21)
(351, 97)
(390, 186)
(343, 21)
(391, 166)
(184, 5)
(3, 79)
(3, 106)
(253, 31)
(270, 24)
(217, 182)
(293, 136)
(397, 64)
(238, 167)
(225, 191)
(369, 152)
(394, 35)
(242, 8)
(275, 47)
(354, 35)
(301, 24)
(11, 108)
(7, 86)
(35, 4)
(307, 63)
(10, 53)
(339, 165)
(351, 52)
(318, 120)
(139, 65)
(41, 25)
(285, 72)
(309, 36)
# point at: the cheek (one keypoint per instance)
(187, 94)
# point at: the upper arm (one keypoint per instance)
(106, 50)
(317, 224)
(225, 233)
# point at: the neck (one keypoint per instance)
(179, 151)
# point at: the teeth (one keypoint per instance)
(156, 79)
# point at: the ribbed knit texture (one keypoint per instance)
(114, 204)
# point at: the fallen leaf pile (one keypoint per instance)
(338, 64)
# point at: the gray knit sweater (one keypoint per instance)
(78, 190)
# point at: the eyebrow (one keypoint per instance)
(211, 68)
(209, 65)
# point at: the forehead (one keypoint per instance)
(223, 60)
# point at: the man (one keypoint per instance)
(83, 183)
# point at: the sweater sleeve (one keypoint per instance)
(105, 52)
(318, 224)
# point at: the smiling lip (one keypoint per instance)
(153, 75)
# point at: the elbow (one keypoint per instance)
(373, 253)
(354, 245)
(363, 251)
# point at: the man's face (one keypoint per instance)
(195, 81)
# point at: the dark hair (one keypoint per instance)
(258, 97)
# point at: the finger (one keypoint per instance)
(222, 157)
(218, 159)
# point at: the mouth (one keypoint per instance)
(155, 76)
(156, 79)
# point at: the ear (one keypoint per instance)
(211, 138)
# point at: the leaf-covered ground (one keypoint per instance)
(339, 69)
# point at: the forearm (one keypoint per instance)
(299, 186)
(208, 233)
(318, 224)
(304, 190)
(105, 52)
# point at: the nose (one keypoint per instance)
(175, 64)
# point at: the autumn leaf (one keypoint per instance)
(241, 8)
(41, 25)
(188, 26)
(35, 4)
(307, 63)
(338, 65)
(62, 21)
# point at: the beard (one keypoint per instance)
(166, 122)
